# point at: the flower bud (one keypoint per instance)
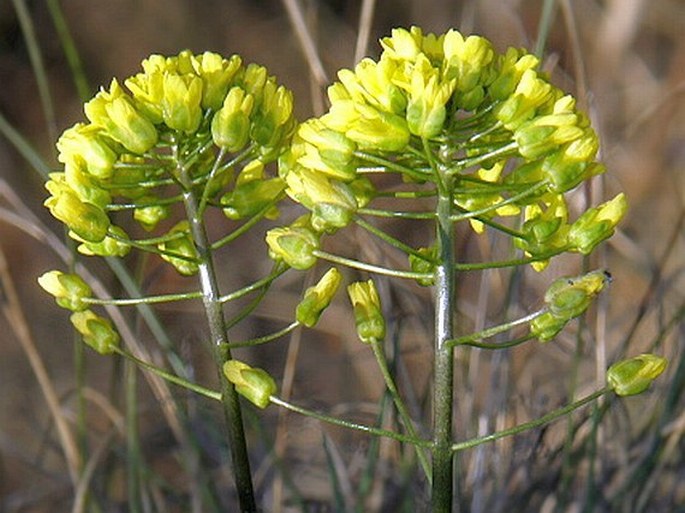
(597, 224)
(367, 311)
(546, 326)
(69, 290)
(97, 332)
(294, 244)
(231, 124)
(254, 384)
(179, 250)
(378, 130)
(85, 142)
(249, 198)
(530, 93)
(148, 91)
(216, 74)
(113, 111)
(332, 202)
(317, 298)
(181, 104)
(424, 265)
(635, 375)
(428, 96)
(86, 187)
(567, 298)
(109, 246)
(149, 216)
(87, 221)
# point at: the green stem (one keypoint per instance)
(418, 442)
(379, 353)
(266, 338)
(363, 266)
(217, 327)
(443, 391)
(545, 419)
(474, 338)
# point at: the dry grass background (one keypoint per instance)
(625, 61)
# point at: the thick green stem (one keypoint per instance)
(443, 474)
(211, 299)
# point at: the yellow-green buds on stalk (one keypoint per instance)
(317, 298)
(231, 125)
(86, 220)
(114, 112)
(69, 290)
(97, 332)
(253, 192)
(368, 315)
(294, 244)
(635, 375)
(181, 103)
(179, 250)
(597, 224)
(86, 143)
(566, 299)
(115, 244)
(200, 116)
(254, 384)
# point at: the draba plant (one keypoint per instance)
(443, 122)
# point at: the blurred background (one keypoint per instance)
(625, 62)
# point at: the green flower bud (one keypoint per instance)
(97, 332)
(113, 111)
(597, 224)
(273, 121)
(249, 198)
(565, 173)
(148, 91)
(317, 298)
(254, 384)
(332, 202)
(253, 80)
(635, 375)
(216, 74)
(231, 124)
(545, 228)
(363, 190)
(466, 60)
(181, 104)
(428, 96)
(151, 214)
(513, 65)
(180, 249)
(378, 130)
(294, 244)
(327, 151)
(367, 311)
(545, 134)
(403, 44)
(69, 290)
(87, 221)
(567, 298)
(530, 93)
(424, 265)
(85, 143)
(546, 326)
(109, 246)
(86, 187)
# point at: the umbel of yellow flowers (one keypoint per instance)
(493, 121)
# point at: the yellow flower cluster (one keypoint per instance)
(513, 142)
(206, 113)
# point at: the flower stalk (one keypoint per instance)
(211, 299)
